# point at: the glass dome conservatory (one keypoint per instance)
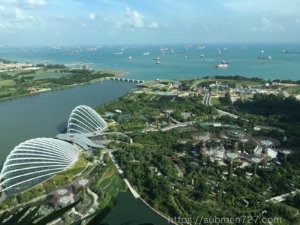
(84, 119)
(34, 161)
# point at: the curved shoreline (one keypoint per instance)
(60, 88)
(157, 212)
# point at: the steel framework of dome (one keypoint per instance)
(84, 119)
(34, 161)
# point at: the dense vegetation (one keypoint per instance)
(163, 167)
(152, 163)
(287, 109)
(140, 109)
(237, 77)
(16, 83)
(277, 111)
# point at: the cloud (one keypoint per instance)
(14, 18)
(9, 1)
(133, 18)
(92, 16)
(33, 3)
(258, 6)
(266, 25)
(153, 25)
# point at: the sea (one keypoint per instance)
(181, 61)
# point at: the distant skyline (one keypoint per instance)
(77, 22)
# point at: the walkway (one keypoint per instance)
(132, 190)
(224, 113)
(207, 98)
(282, 197)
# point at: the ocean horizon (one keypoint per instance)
(173, 61)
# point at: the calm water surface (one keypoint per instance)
(45, 114)
(128, 208)
(176, 61)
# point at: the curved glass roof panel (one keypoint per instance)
(34, 161)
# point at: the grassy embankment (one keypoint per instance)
(108, 183)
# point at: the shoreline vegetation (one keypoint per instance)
(24, 79)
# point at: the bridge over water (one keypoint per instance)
(123, 79)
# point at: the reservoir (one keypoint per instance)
(128, 208)
(46, 114)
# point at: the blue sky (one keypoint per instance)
(69, 22)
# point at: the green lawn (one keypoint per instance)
(110, 181)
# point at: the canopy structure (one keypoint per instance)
(83, 119)
(34, 161)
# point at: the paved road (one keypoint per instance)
(207, 97)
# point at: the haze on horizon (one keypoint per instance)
(75, 22)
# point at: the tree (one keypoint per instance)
(227, 99)
(201, 190)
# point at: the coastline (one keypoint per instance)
(67, 86)
(158, 212)
(135, 194)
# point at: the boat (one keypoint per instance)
(222, 65)
(265, 57)
(129, 58)
(201, 47)
(146, 53)
(157, 60)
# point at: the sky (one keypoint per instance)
(89, 22)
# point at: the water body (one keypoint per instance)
(46, 114)
(177, 62)
(128, 208)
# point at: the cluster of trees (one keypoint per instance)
(51, 66)
(238, 77)
(288, 109)
(76, 77)
(226, 100)
(149, 166)
(287, 81)
(142, 108)
(25, 79)
(274, 110)
(151, 163)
